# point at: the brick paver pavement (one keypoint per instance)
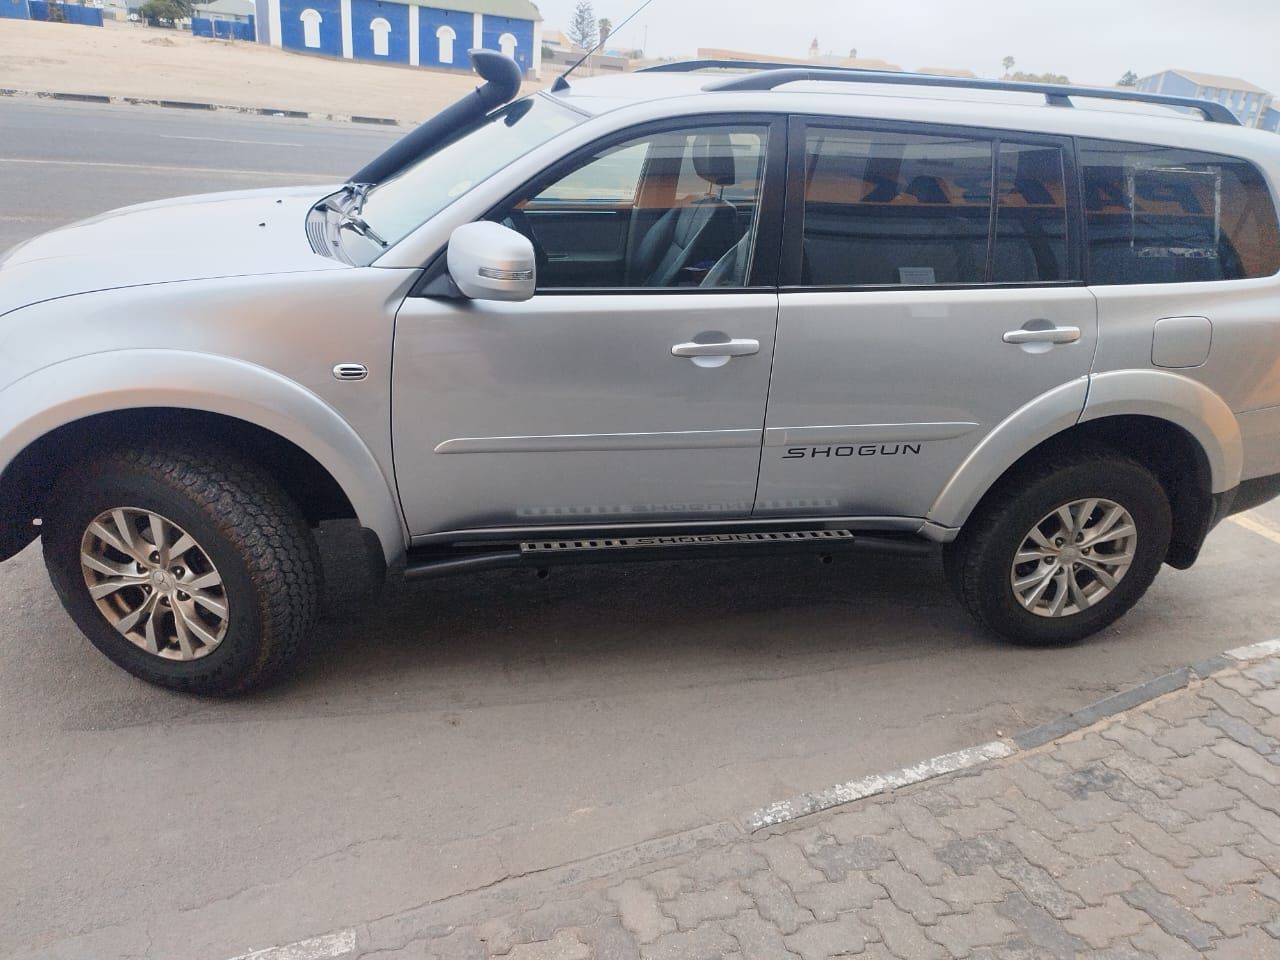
(1154, 834)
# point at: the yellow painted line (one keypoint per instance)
(1263, 528)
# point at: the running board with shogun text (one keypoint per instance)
(675, 546)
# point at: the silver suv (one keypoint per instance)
(682, 313)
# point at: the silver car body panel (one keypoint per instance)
(911, 373)
(189, 238)
(243, 347)
(569, 412)
(570, 407)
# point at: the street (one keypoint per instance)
(457, 732)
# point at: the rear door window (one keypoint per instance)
(1169, 215)
(895, 209)
(1031, 216)
(919, 209)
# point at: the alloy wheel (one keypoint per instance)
(1075, 556)
(154, 583)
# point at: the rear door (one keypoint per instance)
(931, 287)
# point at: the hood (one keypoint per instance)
(187, 238)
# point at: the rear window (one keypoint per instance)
(1168, 215)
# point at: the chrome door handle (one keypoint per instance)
(1049, 335)
(725, 348)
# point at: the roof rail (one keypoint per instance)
(769, 76)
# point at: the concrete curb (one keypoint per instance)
(196, 105)
(805, 804)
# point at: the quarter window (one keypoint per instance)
(1168, 215)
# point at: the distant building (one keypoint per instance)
(821, 59)
(1270, 120)
(1248, 102)
(236, 11)
(427, 33)
(958, 73)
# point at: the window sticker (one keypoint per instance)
(916, 276)
(1175, 211)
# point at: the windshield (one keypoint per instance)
(420, 191)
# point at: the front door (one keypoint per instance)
(632, 386)
(932, 290)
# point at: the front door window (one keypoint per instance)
(672, 209)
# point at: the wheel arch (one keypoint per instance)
(1179, 429)
(56, 415)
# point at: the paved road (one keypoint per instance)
(1154, 835)
(463, 731)
(61, 162)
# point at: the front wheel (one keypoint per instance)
(1062, 549)
(189, 568)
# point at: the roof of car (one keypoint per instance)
(997, 109)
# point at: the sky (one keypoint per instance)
(1091, 41)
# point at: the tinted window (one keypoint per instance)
(1168, 215)
(895, 209)
(673, 209)
(1031, 216)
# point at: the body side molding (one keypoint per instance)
(558, 443)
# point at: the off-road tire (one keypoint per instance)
(979, 561)
(255, 535)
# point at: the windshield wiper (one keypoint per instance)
(357, 192)
(358, 224)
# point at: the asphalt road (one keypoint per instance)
(461, 731)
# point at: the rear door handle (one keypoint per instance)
(725, 348)
(1049, 335)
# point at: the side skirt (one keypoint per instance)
(544, 552)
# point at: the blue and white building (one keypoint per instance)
(1248, 102)
(419, 33)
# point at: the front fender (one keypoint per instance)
(130, 379)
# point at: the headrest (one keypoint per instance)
(713, 159)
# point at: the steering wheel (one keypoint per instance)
(519, 221)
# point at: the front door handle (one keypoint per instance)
(1047, 335)
(725, 348)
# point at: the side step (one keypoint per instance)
(544, 553)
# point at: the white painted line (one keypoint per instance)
(807, 803)
(227, 171)
(1259, 526)
(328, 947)
(256, 143)
(1256, 651)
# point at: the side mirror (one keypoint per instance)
(488, 261)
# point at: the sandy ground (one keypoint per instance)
(130, 60)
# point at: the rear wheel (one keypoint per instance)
(189, 568)
(1063, 548)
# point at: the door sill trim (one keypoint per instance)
(516, 533)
